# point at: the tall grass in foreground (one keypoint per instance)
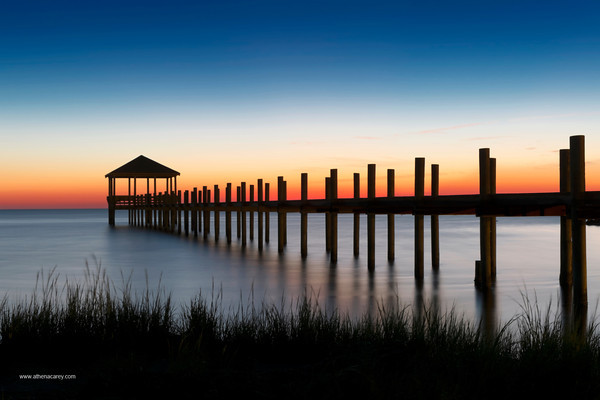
(294, 346)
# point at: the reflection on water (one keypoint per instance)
(486, 311)
(527, 259)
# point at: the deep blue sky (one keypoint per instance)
(315, 82)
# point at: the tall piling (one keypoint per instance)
(303, 216)
(194, 211)
(484, 222)
(328, 215)
(280, 218)
(186, 207)
(259, 194)
(251, 212)
(238, 220)
(216, 215)
(493, 221)
(391, 228)
(267, 214)
(334, 215)
(228, 213)
(371, 218)
(206, 196)
(419, 219)
(566, 249)
(356, 241)
(243, 214)
(435, 219)
(577, 158)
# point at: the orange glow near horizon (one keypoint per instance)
(78, 192)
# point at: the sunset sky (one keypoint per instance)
(230, 91)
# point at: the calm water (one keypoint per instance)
(527, 259)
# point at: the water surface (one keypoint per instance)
(527, 261)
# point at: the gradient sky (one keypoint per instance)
(238, 90)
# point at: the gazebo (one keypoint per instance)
(139, 168)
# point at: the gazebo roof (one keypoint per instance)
(142, 167)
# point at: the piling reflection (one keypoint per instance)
(485, 300)
(435, 295)
(566, 306)
(419, 303)
(574, 314)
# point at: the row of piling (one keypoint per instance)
(189, 213)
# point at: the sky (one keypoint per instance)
(232, 91)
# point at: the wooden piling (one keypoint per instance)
(206, 195)
(419, 219)
(160, 211)
(228, 213)
(328, 216)
(193, 211)
(493, 221)
(435, 220)
(333, 216)
(303, 216)
(252, 205)
(285, 214)
(390, 217)
(577, 164)
(186, 208)
(148, 211)
(260, 214)
(217, 218)
(371, 218)
(199, 210)
(173, 205)
(280, 220)
(356, 240)
(243, 205)
(484, 222)
(267, 214)
(566, 250)
(239, 213)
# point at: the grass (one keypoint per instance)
(123, 344)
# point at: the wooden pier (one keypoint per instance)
(192, 211)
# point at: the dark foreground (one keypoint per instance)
(108, 344)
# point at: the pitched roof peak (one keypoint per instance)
(142, 167)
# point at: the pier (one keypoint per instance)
(197, 211)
